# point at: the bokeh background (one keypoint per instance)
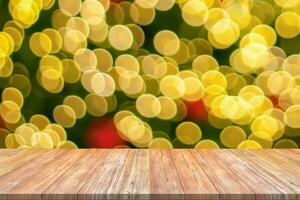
(100, 132)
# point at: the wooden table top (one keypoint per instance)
(149, 174)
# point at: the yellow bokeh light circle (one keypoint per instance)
(148, 105)
(172, 86)
(16, 35)
(145, 139)
(50, 62)
(188, 133)
(249, 144)
(98, 30)
(238, 12)
(286, 3)
(164, 5)
(131, 83)
(250, 91)
(41, 140)
(266, 124)
(160, 143)
(292, 116)
(232, 136)
(264, 139)
(252, 38)
(96, 105)
(154, 65)
(195, 13)
(79, 24)
(70, 8)
(146, 3)
(26, 132)
(40, 121)
(212, 92)
(287, 24)
(77, 104)
(64, 115)
(128, 62)
(72, 39)
(214, 15)
(204, 63)
(254, 55)
(13, 94)
(120, 37)
(260, 104)
(7, 43)
(213, 78)
(142, 16)
(92, 9)
(104, 59)
(56, 39)
(194, 89)
(132, 127)
(71, 71)
(40, 44)
(223, 33)
(166, 42)
(291, 65)
(280, 81)
(267, 32)
(85, 58)
(52, 81)
(286, 143)
(10, 111)
(207, 144)
(168, 108)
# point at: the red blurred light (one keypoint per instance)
(275, 101)
(196, 111)
(103, 134)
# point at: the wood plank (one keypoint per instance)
(149, 174)
(102, 183)
(269, 173)
(134, 182)
(17, 159)
(226, 182)
(22, 174)
(281, 163)
(297, 151)
(195, 182)
(164, 180)
(291, 154)
(32, 188)
(69, 184)
(262, 188)
(6, 153)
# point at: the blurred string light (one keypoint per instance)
(100, 45)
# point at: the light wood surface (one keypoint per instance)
(149, 174)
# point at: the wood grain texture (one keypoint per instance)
(262, 188)
(17, 159)
(194, 180)
(6, 153)
(24, 172)
(134, 180)
(287, 166)
(228, 184)
(149, 174)
(69, 184)
(165, 182)
(270, 173)
(102, 183)
(34, 187)
(290, 154)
